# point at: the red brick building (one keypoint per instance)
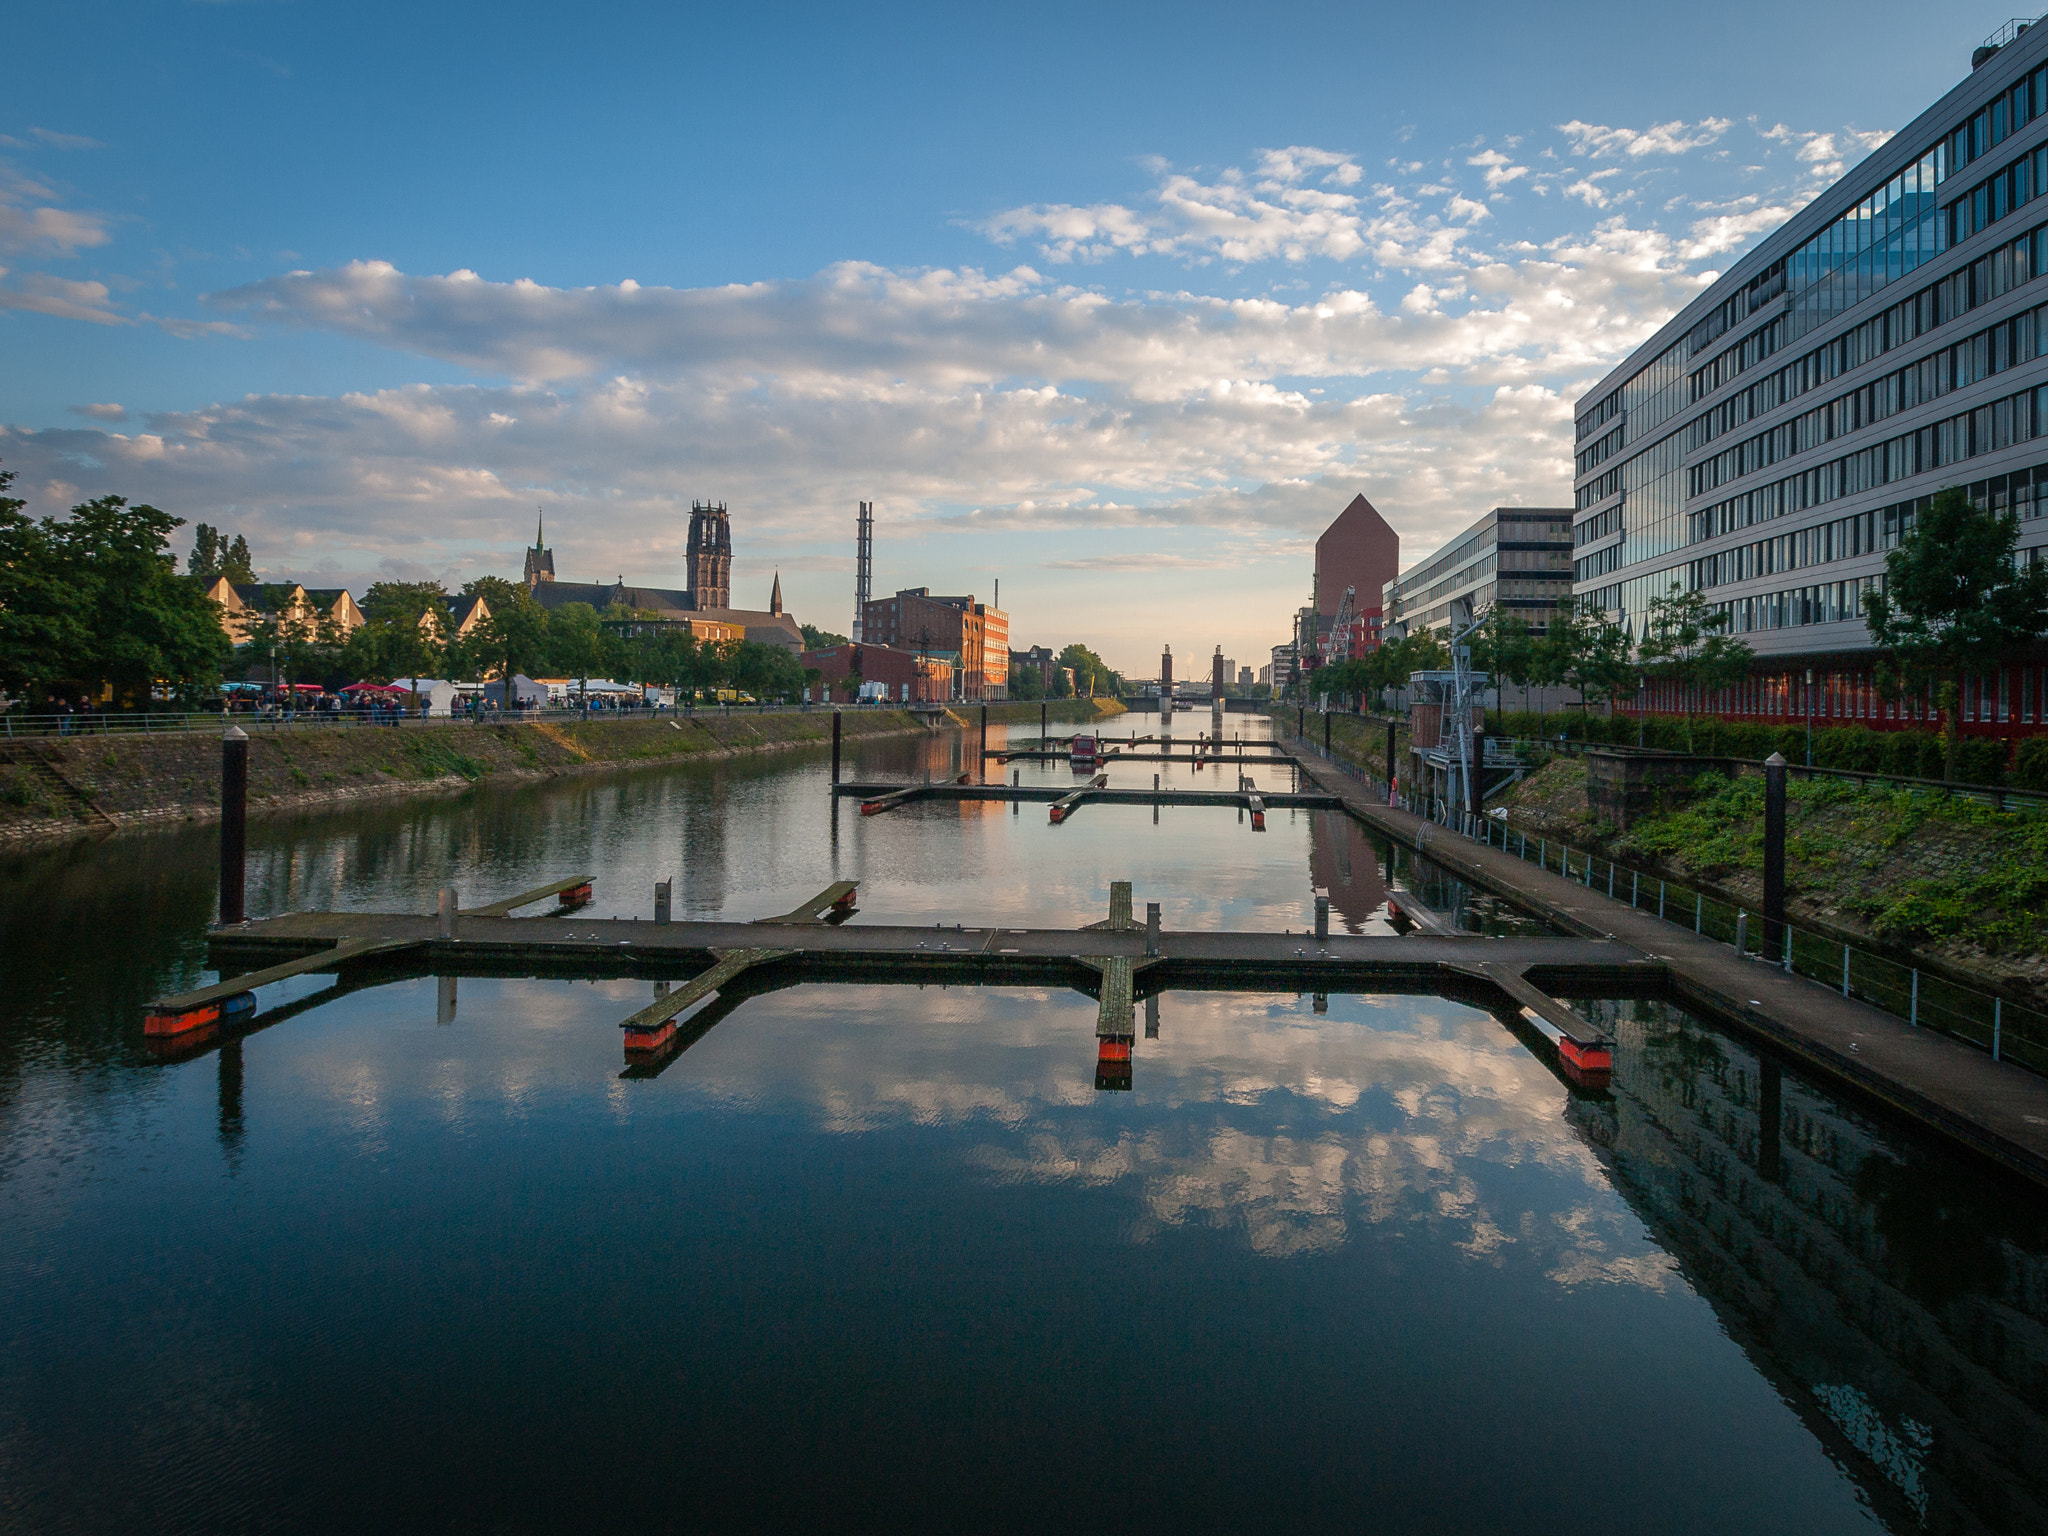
(908, 677)
(915, 620)
(1358, 552)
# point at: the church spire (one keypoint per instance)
(537, 520)
(775, 597)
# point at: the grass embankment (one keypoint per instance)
(1950, 879)
(1025, 711)
(57, 787)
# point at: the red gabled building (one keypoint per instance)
(1358, 554)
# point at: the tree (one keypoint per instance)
(514, 636)
(1092, 674)
(577, 644)
(1398, 660)
(816, 639)
(1955, 600)
(1026, 681)
(405, 602)
(1504, 647)
(208, 550)
(139, 622)
(1683, 643)
(41, 624)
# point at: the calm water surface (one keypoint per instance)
(883, 1256)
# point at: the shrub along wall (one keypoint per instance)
(1919, 754)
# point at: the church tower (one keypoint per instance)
(710, 556)
(540, 561)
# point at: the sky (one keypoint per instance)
(1118, 306)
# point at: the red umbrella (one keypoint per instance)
(371, 688)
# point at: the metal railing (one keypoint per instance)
(2009, 1030)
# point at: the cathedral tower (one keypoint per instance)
(540, 560)
(710, 556)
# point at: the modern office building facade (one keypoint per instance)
(1516, 560)
(1775, 439)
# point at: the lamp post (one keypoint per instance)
(1640, 708)
(1809, 717)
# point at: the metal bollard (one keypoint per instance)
(1742, 933)
(1151, 928)
(1322, 917)
(1016, 778)
(661, 901)
(447, 912)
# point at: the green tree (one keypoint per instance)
(816, 639)
(208, 550)
(1026, 682)
(1955, 601)
(1684, 641)
(578, 644)
(405, 602)
(42, 624)
(514, 638)
(1504, 647)
(139, 622)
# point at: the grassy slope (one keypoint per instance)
(1951, 878)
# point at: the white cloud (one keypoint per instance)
(1180, 428)
(30, 224)
(1500, 171)
(107, 411)
(40, 293)
(1672, 138)
(1827, 155)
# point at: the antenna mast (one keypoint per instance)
(863, 563)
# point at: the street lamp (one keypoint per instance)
(1809, 717)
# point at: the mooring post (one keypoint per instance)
(835, 746)
(1475, 794)
(447, 912)
(234, 822)
(983, 774)
(1326, 733)
(1041, 723)
(1151, 928)
(1322, 917)
(661, 897)
(1774, 852)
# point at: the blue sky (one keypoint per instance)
(1116, 304)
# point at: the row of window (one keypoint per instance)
(1470, 573)
(1989, 277)
(1843, 539)
(1997, 424)
(1598, 453)
(1599, 563)
(1985, 204)
(1992, 124)
(1597, 527)
(2023, 493)
(1830, 602)
(1967, 362)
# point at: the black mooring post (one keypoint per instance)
(1475, 797)
(1326, 733)
(234, 821)
(1774, 855)
(835, 746)
(1041, 724)
(983, 774)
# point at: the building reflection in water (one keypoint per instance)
(1344, 861)
(1897, 1298)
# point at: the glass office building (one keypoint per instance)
(1513, 560)
(1769, 444)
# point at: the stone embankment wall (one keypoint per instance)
(58, 787)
